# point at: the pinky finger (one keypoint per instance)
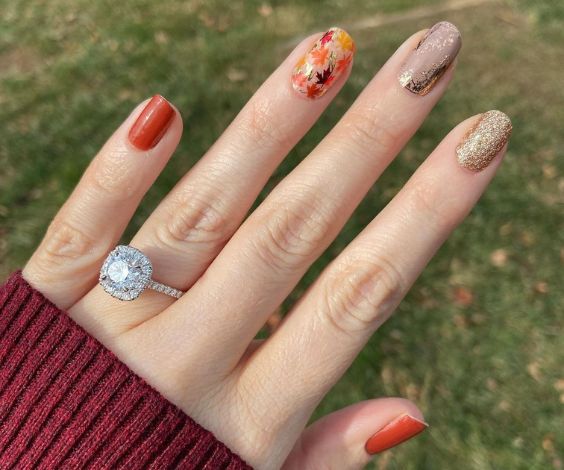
(348, 438)
(66, 263)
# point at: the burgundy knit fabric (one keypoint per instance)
(68, 402)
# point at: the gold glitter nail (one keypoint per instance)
(484, 140)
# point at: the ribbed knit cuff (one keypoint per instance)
(68, 402)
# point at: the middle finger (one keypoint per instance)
(267, 256)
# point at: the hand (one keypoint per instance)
(199, 351)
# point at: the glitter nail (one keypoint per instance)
(484, 140)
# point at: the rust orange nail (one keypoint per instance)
(151, 124)
(400, 429)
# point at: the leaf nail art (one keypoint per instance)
(329, 57)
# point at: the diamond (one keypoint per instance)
(126, 272)
(118, 271)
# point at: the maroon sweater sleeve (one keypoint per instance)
(68, 402)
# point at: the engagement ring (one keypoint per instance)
(126, 273)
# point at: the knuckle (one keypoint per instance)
(196, 219)
(292, 233)
(110, 176)
(65, 242)
(263, 126)
(359, 295)
(370, 132)
(424, 201)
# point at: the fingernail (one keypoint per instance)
(430, 59)
(329, 57)
(151, 124)
(400, 429)
(484, 140)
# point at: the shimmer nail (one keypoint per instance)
(329, 57)
(151, 124)
(430, 59)
(484, 140)
(395, 432)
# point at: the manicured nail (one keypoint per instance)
(151, 124)
(329, 57)
(400, 429)
(484, 140)
(430, 59)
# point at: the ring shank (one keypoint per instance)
(164, 289)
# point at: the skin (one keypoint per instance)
(199, 351)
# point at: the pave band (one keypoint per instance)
(163, 288)
(126, 273)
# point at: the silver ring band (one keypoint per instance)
(127, 272)
(163, 288)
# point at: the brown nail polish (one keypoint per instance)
(151, 124)
(399, 430)
(429, 60)
(484, 140)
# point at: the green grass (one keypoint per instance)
(484, 371)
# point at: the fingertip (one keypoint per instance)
(349, 437)
(397, 431)
(323, 64)
(151, 124)
(430, 61)
(484, 140)
(405, 406)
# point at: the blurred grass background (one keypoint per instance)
(478, 341)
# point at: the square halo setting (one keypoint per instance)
(126, 272)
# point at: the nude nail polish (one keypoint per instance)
(398, 430)
(431, 58)
(151, 124)
(484, 140)
(318, 69)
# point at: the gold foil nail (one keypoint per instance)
(484, 140)
(428, 62)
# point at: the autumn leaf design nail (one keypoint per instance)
(323, 64)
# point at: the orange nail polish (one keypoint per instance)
(151, 124)
(395, 432)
